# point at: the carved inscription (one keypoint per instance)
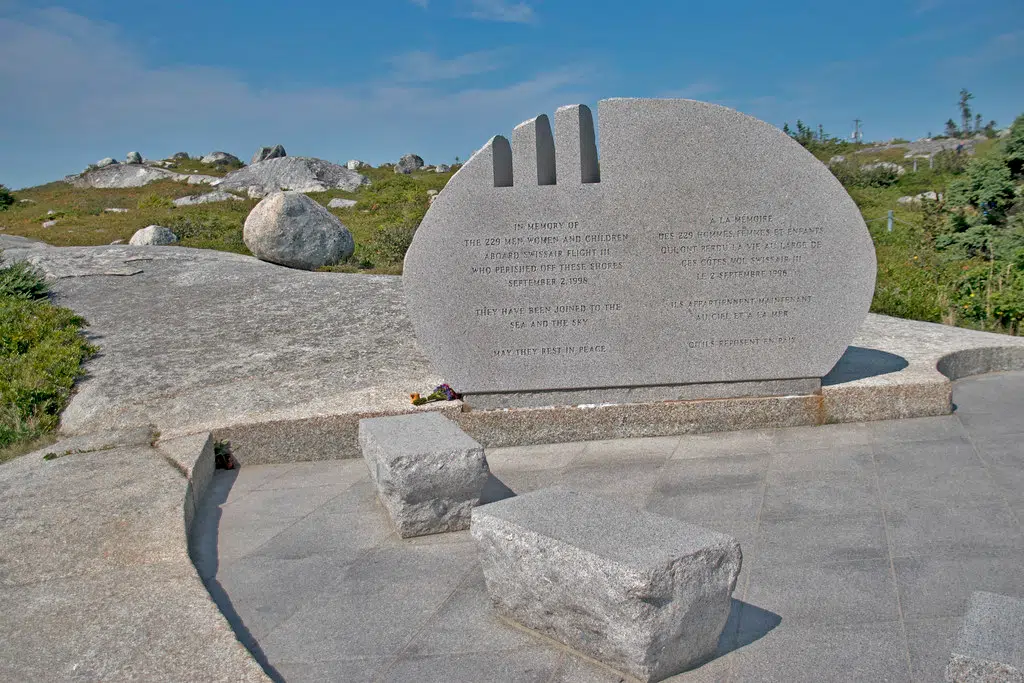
(566, 263)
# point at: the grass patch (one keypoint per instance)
(41, 354)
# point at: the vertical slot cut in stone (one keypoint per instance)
(533, 150)
(501, 159)
(576, 144)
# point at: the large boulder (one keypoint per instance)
(106, 161)
(153, 235)
(340, 203)
(220, 158)
(264, 153)
(215, 196)
(356, 164)
(442, 168)
(290, 229)
(301, 174)
(133, 158)
(132, 175)
(180, 156)
(408, 164)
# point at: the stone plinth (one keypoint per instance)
(644, 594)
(429, 473)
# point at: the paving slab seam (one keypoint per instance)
(426, 622)
(880, 500)
(992, 478)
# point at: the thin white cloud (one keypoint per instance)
(80, 90)
(421, 66)
(502, 10)
(994, 50)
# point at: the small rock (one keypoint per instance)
(442, 168)
(49, 224)
(198, 179)
(264, 153)
(431, 193)
(180, 156)
(837, 159)
(106, 161)
(50, 212)
(220, 158)
(930, 194)
(26, 201)
(290, 229)
(339, 203)
(118, 242)
(356, 164)
(906, 199)
(408, 164)
(153, 235)
(133, 158)
(215, 196)
(115, 210)
(887, 165)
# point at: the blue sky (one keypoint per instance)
(374, 80)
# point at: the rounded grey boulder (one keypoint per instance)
(106, 161)
(133, 158)
(356, 164)
(153, 235)
(180, 156)
(220, 158)
(409, 163)
(264, 153)
(290, 229)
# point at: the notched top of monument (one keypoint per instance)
(538, 157)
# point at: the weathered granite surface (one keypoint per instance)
(709, 247)
(990, 645)
(429, 473)
(249, 321)
(95, 577)
(645, 594)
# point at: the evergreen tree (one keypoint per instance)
(951, 129)
(977, 123)
(965, 111)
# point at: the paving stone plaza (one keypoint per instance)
(862, 544)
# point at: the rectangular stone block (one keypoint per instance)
(990, 646)
(429, 473)
(645, 594)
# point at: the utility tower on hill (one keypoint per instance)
(857, 135)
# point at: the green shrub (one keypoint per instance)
(948, 161)
(19, 280)
(205, 229)
(6, 198)
(390, 242)
(155, 201)
(41, 352)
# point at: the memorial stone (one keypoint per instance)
(703, 253)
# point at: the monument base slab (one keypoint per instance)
(646, 394)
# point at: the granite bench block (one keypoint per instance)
(990, 646)
(429, 473)
(645, 594)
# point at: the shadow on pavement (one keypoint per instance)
(203, 550)
(859, 363)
